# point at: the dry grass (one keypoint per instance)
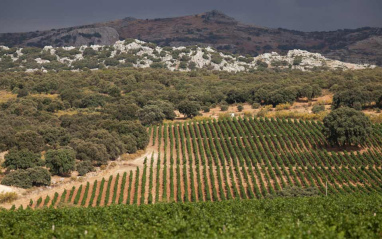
(286, 106)
(6, 95)
(296, 115)
(8, 197)
(199, 118)
(132, 156)
(74, 112)
(375, 118)
(325, 102)
(62, 112)
(41, 96)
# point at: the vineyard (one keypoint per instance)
(238, 158)
(350, 216)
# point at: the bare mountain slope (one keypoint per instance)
(363, 45)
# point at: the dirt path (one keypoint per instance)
(34, 194)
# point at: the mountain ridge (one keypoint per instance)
(215, 29)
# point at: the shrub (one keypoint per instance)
(285, 106)
(223, 116)
(85, 63)
(297, 60)
(22, 93)
(256, 105)
(157, 65)
(192, 65)
(224, 107)
(183, 65)
(318, 108)
(216, 58)
(262, 113)
(206, 109)
(111, 62)
(84, 167)
(240, 108)
(30, 50)
(200, 118)
(89, 52)
(8, 197)
(261, 64)
(247, 114)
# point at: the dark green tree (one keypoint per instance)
(90, 151)
(22, 93)
(61, 161)
(318, 108)
(22, 159)
(151, 114)
(111, 141)
(346, 126)
(30, 140)
(189, 108)
(84, 167)
(166, 107)
(353, 98)
(122, 110)
(27, 178)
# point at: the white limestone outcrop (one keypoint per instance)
(188, 58)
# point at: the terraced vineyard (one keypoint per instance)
(237, 158)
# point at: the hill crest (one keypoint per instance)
(215, 29)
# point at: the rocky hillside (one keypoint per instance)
(136, 53)
(215, 29)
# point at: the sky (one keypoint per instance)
(304, 15)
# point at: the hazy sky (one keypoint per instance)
(306, 15)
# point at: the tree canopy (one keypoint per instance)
(61, 161)
(346, 126)
(22, 159)
(189, 108)
(27, 178)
